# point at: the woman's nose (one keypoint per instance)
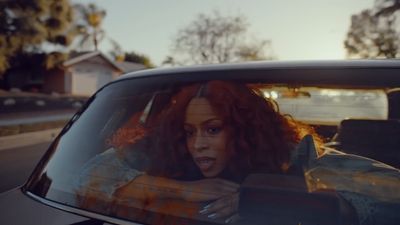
(200, 142)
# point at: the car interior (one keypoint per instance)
(370, 137)
(366, 136)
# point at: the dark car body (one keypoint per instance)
(30, 203)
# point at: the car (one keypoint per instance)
(350, 108)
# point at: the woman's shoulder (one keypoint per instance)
(306, 155)
(341, 159)
(347, 172)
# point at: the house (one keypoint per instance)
(84, 73)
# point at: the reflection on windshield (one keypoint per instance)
(218, 152)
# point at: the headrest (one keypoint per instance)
(382, 133)
(376, 139)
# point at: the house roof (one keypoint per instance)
(82, 56)
(130, 66)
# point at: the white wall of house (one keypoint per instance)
(87, 76)
(68, 80)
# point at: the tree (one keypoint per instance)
(138, 58)
(387, 7)
(89, 22)
(26, 26)
(132, 56)
(169, 60)
(373, 32)
(216, 39)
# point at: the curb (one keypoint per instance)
(26, 139)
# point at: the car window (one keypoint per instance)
(217, 151)
(330, 106)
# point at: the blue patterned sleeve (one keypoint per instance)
(104, 174)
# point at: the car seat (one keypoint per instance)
(394, 103)
(376, 139)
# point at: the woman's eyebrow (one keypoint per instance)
(204, 122)
(211, 120)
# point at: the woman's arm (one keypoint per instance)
(107, 178)
(101, 176)
(180, 198)
(147, 187)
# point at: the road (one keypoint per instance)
(16, 164)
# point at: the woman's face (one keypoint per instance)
(206, 137)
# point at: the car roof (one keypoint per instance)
(335, 72)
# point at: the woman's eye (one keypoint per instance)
(213, 130)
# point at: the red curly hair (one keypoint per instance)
(260, 139)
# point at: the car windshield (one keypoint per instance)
(159, 152)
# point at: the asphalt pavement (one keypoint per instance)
(16, 164)
(20, 152)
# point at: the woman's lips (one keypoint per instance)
(205, 163)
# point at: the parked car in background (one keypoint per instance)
(346, 172)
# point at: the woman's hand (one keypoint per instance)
(208, 189)
(225, 207)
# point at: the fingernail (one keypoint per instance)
(207, 206)
(203, 211)
(212, 216)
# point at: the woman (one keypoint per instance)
(205, 142)
(202, 146)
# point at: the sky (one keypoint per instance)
(297, 29)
